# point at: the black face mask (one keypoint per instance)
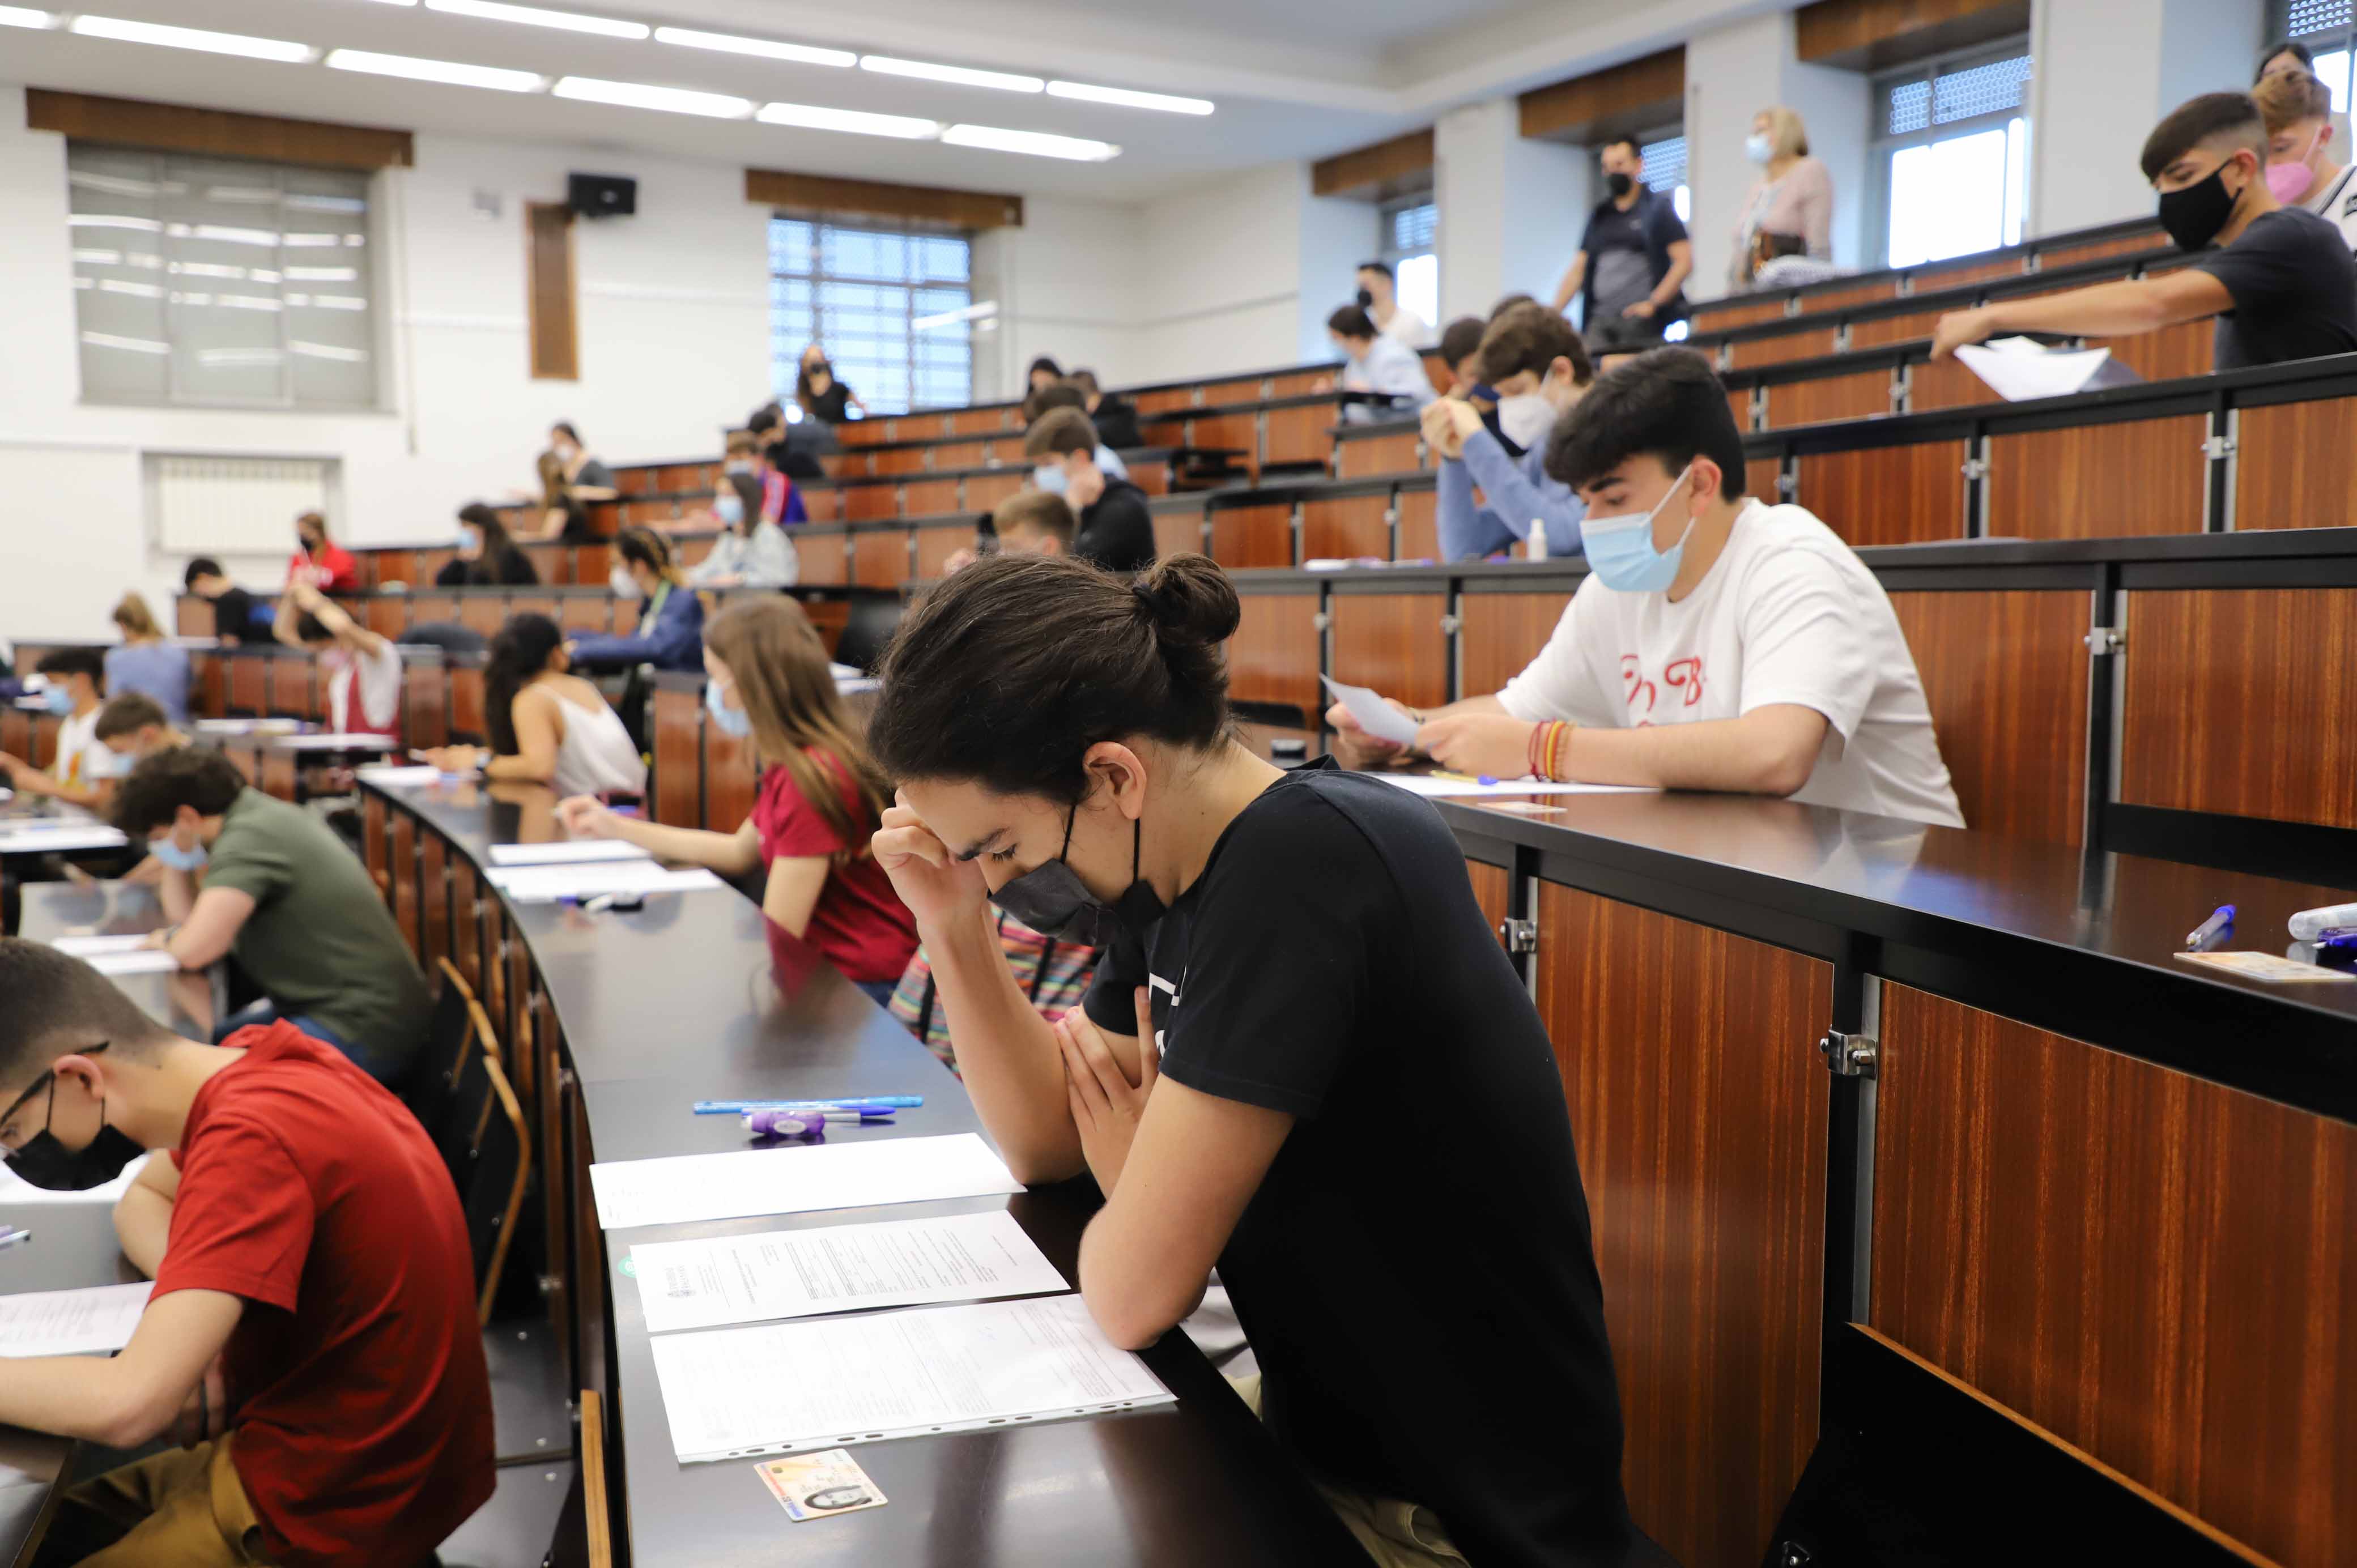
(2193, 216)
(1366, 297)
(1053, 901)
(47, 1162)
(1618, 184)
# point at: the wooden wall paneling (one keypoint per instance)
(1347, 527)
(1387, 168)
(1829, 397)
(1493, 888)
(1877, 330)
(1398, 453)
(1861, 35)
(1178, 532)
(799, 192)
(985, 491)
(1647, 91)
(1781, 348)
(2006, 677)
(425, 706)
(1698, 1102)
(2243, 701)
(1501, 635)
(1946, 384)
(556, 346)
(467, 712)
(936, 545)
(1299, 435)
(678, 726)
(2296, 463)
(825, 557)
(879, 557)
(2170, 354)
(2152, 1267)
(404, 878)
(1252, 535)
(1274, 656)
(1392, 642)
(729, 781)
(219, 132)
(1887, 495)
(1419, 525)
(2096, 481)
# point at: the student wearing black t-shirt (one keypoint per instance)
(2280, 280)
(1116, 529)
(1350, 1107)
(232, 605)
(1633, 258)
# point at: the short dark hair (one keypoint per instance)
(1378, 266)
(202, 566)
(1058, 431)
(1665, 403)
(566, 426)
(1351, 321)
(183, 776)
(2198, 120)
(1460, 337)
(2292, 47)
(649, 549)
(768, 416)
(128, 713)
(53, 997)
(1508, 302)
(1044, 363)
(1041, 512)
(1531, 337)
(1009, 671)
(1086, 381)
(75, 662)
(310, 627)
(1628, 142)
(1054, 395)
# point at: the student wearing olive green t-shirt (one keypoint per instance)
(270, 883)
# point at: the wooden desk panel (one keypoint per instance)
(892, 460)
(1392, 642)
(985, 491)
(1887, 495)
(208, 695)
(1841, 298)
(466, 715)
(1419, 525)
(729, 781)
(676, 717)
(1829, 397)
(1727, 318)
(1297, 435)
(1274, 656)
(433, 901)
(373, 848)
(2185, 349)
(425, 707)
(404, 878)
(1739, 403)
(1945, 385)
(1759, 477)
(2097, 481)
(1699, 1109)
(1217, 395)
(969, 422)
(1164, 400)
(579, 612)
(2152, 1267)
(1874, 331)
(880, 557)
(867, 503)
(2006, 677)
(823, 503)
(290, 687)
(956, 455)
(1501, 634)
(1236, 432)
(825, 557)
(431, 607)
(1347, 527)
(483, 612)
(1932, 279)
(1781, 348)
(1252, 535)
(1399, 454)
(249, 684)
(277, 778)
(1179, 534)
(2096, 249)
(936, 545)
(2243, 701)
(2296, 465)
(1492, 889)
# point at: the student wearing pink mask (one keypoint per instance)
(2297, 110)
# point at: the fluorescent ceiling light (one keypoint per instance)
(1003, 81)
(190, 38)
(1039, 144)
(444, 70)
(571, 21)
(26, 17)
(729, 43)
(635, 95)
(1127, 98)
(982, 312)
(810, 117)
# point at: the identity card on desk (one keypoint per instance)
(681, 1188)
(777, 1388)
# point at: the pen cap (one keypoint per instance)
(2309, 924)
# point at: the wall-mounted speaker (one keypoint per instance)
(601, 195)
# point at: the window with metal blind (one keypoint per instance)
(888, 306)
(1950, 148)
(221, 282)
(2329, 28)
(1411, 228)
(1665, 169)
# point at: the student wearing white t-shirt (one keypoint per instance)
(85, 771)
(360, 670)
(1718, 643)
(1378, 297)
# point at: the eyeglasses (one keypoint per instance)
(47, 1079)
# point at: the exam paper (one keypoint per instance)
(57, 837)
(1377, 717)
(344, 742)
(383, 774)
(780, 1387)
(146, 960)
(16, 1190)
(546, 883)
(93, 1322)
(683, 1187)
(566, 852)
(843, 1268)
(1423, 784)
(99, 947)
(2018, 370)
(248, 727)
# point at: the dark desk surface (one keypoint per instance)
(679, 1001)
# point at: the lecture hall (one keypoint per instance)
(672, 666)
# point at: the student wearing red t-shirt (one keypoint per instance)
(767, 679)
(318, 561)
(311, 1340)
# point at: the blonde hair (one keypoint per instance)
(137, 621)
(1786, 135)
(2287, 97)
(787, 687)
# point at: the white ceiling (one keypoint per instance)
(1292, 79)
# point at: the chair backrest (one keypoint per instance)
(497, 1170)
(448, 1041)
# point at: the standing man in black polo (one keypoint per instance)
(1633, 260)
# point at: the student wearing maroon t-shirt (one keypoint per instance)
(311, 1340)
(768, 680)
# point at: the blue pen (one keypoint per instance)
(2216, 926)
(15, 1239)
(848, 1102)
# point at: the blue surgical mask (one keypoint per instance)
(1620, 549)
(734, 722)
(1049, 477)
(729, 509)
(468, 539)
(59, 701)
(179, 859)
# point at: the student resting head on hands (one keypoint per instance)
(1530, 357)
(311, 1339)
(768, 682)
(546, 725)
(1297, 974)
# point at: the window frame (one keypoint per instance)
(785, 360)
(1387, 213)
(1880, 143)
(1674, 131)
(2319, 42)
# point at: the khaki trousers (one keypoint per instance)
(182, 1508)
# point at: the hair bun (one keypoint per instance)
(1190, 601)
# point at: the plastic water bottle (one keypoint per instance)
(1538, 549)
(2309, 924)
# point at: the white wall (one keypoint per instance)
(1511, 210)
(1066, 283)
(1337, 234)
(1222, 277)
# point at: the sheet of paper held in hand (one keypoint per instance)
(566, 852)
(1377, 717)
(683, 1188)
(93, 1322)
(842, 1268)
(2019, 368)
(777, 1388)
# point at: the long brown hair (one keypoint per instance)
(788, 690)
(137, 621)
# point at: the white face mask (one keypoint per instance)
(1757, 147)
(625, 587)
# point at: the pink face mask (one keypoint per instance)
(2291, 177)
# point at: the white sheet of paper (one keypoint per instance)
(97, 947)
(681, 1188)
(385, 774)
(93, 1322)
(546, 883)
(1421, 784)
(149, 960)
(2032, 370)
(779, 1387)
(566, 852)
(842, 1268)
(23, 839)
(343, 742)
(1377, 717)
(15, 1189)
(248, 727)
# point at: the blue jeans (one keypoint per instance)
(390, 1074)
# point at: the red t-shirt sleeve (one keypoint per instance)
(791, 827)
(242, 1221)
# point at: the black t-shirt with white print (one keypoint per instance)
(1415, 1273)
